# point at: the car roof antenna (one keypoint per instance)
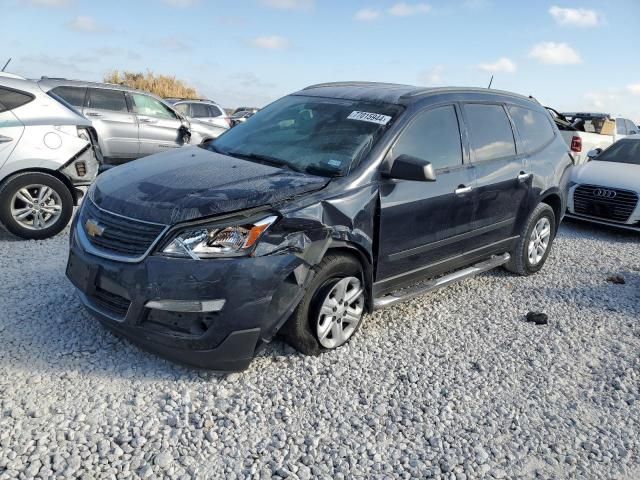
(5, 65)
(490, 82)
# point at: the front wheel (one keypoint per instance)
(534, 244)
(332, 309)
(35, 205)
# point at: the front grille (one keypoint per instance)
(111, 303)
(616, 206)
(124, 236)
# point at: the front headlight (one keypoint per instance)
(216, 241)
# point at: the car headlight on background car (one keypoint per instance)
(217, 241)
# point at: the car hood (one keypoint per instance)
(191, 183)
(608, 174)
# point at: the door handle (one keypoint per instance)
(461, 190)
(4, 139)
(147, 120)
(93, 114)
(523, 177)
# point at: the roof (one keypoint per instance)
(51, 82)
(392, 92)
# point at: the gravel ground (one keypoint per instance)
(451, 385)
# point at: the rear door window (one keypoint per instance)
(631, 127)
(105, 99)
(199, 110)
(74, 96)
(621, 127)
(534, 128)
(10, 99)
(490, 131)
(434, 135)
(214, 111)
(183, 108)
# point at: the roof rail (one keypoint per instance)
(429, 91)
(353, 83)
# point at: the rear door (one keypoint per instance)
(503, 180)
(422, 223)
(11, 129)
(116, 126)
(159, 125)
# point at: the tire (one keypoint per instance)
(302, 330)
(521, 261)
(54, 212)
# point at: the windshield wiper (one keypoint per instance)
(263, 159)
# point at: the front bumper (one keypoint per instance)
(633, 227)
(259, 295)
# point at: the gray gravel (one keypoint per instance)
(451, 385)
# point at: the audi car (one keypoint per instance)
(606, 189)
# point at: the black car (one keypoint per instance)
(332, 202)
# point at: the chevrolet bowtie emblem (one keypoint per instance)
(93, 228)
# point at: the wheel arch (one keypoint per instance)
(365, 260)
(555, 201)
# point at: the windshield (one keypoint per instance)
(623, 151)
(323, 136)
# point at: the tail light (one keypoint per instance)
(576, 144)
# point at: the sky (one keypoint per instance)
(572, 55)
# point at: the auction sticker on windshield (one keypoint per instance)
(369, 117)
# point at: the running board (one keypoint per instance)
(431, 285)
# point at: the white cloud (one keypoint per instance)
(555, 53)
(403, 9)
(289, 4)
(634, 88)
(270, 42)
(433, 76)
(50, 3)
(86, 24)
(575, 17)
(601, 100)
(367, 15)
(502, 65)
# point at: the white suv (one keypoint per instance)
(47, 150)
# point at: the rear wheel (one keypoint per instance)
(332, 309)
(535, 242)
(35, 205)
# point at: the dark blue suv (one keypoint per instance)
(327, 204)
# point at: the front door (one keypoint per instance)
(422, 223)
(116, 127)
(159, 126)
(503, 181)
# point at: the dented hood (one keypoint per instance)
(191, 183)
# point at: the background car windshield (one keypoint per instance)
(623, 151)
(310, 134)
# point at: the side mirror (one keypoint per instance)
(594, 153)
(633, 132)
(407, 167)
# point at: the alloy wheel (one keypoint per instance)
(36, 207)
(539, 241)
(340, 313)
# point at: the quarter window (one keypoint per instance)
(534, 128)
(433, 135)
(104, 99)
(490, 131)
(74, 96)
(10, 99)
(146, 105)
